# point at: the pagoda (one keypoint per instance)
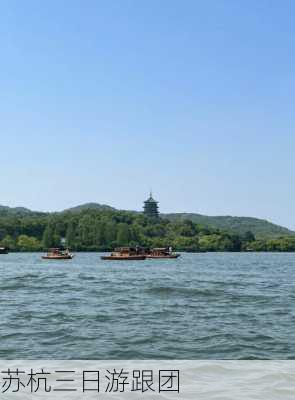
(150, 208)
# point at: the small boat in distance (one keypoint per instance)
(126, 254)
(3, 250)
(58, 254)
(162, 252)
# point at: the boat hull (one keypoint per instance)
(3, 251)
(123, 258)
(57, 257)
(163, 257)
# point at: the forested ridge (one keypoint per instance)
(104, 229)
(262, 229)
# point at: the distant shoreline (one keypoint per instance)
(179, 251)
(100, 230)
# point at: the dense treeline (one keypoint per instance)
(262, 229)
(286, 243)
(91, 230)
(102, 230)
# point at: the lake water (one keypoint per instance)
(201, 306)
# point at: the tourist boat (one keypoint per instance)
(58, 254)
(162, 252)
(3, 250)
(126, 254)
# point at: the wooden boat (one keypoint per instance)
(162, 252)
(3, 250)
(122, 257)
(58, 254)
(126, 254)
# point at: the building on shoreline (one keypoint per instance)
(151, 208)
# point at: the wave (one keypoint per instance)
(183, 291)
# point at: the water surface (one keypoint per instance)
(201, 306)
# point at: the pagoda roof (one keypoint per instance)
(151, 199)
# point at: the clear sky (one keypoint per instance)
(102, 100)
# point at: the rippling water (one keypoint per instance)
(201, 306)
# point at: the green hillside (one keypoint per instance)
(262, 229)
(90, 206)
(104, 230)
(16, 211)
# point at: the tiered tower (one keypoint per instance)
(151, 208)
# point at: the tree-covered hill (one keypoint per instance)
(104, 229)
(89, 206)
(262, 229)
(97, 230)
(4, 210)
(93, 227)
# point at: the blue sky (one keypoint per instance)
(102, 100)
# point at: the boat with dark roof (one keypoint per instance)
(58, 254)
(162, 252)
(126, 254)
